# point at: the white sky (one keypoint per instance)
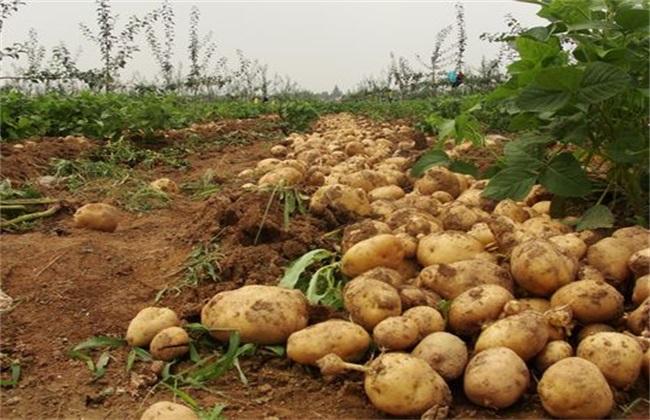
(319, 44)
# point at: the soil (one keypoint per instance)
(70, 284)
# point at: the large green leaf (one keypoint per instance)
(565, 177)
(632, 19)
(463, 167)
(536, 51)
(601, 81)
(560, 78)
(596, 217)
(526, 152)
(535, 98)
(512, 183)
(293, 273)
(429, 159)
(628, 147)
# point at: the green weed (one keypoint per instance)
(15, 371)
(202, 188)
(82, 352)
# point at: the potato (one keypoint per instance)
(444, 352)
(354, 148)
(267, 165)
(278, 150)
(591, 329)
(381, 209)
(482, 232)
(587, 272)
(379, 251)
(261, 314)
(544, 228)
(165, 185)
(635, 237)
(169, 344)
(496, 378)
(167, 410)
(360, 231)
(370, 301)
(404, 385)
(442, 196)
(365, 179)
(591, 301)
(97, 216)
(553, 352)
(396, 333)
(447, 247)
(149, 322)
(476, 307)
(342, 200)
(428, 319)
(450, 280)
(542, 207)
(525, 333)
(473, 197)
(388, 192)
(526, 304)
(387, 275)
(610, 257)
(575, 388)
(286, 176)
(641, 289)
(460, 217)
(413, 221)
(408, 268)
(639, 262)
(618, 356)
(343, 338)
(570, 245)
(540, 267)
(511, 210)
(409, 244)
(439, 178)
(638, 321)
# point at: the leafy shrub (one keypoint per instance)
(297, 116)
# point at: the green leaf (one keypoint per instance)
(277, 350)
(100, 366)
(601, 81)
(446, 129)
(429, 159)
(526, 152)
(632, 19)
(99, 341)
(463, 167)
(628, 147)
(513, 182)
(534, 50)
(15, 376)
(292, 275)
(565, 177)
(560, 78)
(598, 216)
(535, 98)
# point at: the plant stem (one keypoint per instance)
(30, 216)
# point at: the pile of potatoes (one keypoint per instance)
(451, 287)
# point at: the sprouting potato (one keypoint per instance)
(428, 319)
(396, 333)
(639, 262)
(517, 306)
(343, 338)
(370, 301)
(444, 352)
(149, 322)
(525, 333)
(97, 216)
(591, 301)
(553, 352)
(165, 185)
(540, 267)
(167, 410)
(618, 356)
(170, 343)
(379, 251)
(477, 306)
(447, 247)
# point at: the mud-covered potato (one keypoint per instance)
(544, 228)
(553, 352)
(540, 267)
(476, 307)
(517, 306)
(570, 244)
(638, 321)
(512, 210)
(636, 238)
(591, 301)
(525, 333)
(444, 352)
(641, 289)
(281, 176)
(165, 185)
(346, 339)
(639, 262)
(458, 216)
(428, 319)
(169, 344)
(482, 232)
(360, 231)
(261, 314)
(370, 301)
(496, 378)
(167, 410)
(575, 388)
(450, 280)
(365, 179)
(404, 385)
(388, 192)
(618, 356)
(447, 247)
(387, 275)
(97, 216)
(610, 257)
(149, 322)
(439, 178)
(340, 199)
(396, 333)
(383, 250)
(591, 329)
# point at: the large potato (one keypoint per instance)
(149, 322)
(610, 257)
(496, 378)
(97, 216)
(525, 333)
(477, 306)
(360, 231)
(370, 301)
(404, 385)
(379, 251)
(396, 333)
(342, 200)
(570, 244)
(553, 352)
(428, 319)
(591, 301)
(261, 314)
(618, 356)
(167, 410)
(444, 352)
(343, 338)
(447, 247)
(575, 388)
(540, 267)
(450, 280)
(635, 237)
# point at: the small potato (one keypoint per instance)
(540, 267)
(347, 340)
(570, 244)
(591, 301)
(476, 307)
(610, 257)
(428, 319)
(618, 356)
(444, 352)
(404, 385)
(149, 322)
(354, 148)
(591, 329)
(169, 344)
(370, 301)
(575, 388)
(638, 321)
(396, 333)
(496, 378)
(379, 251)
(450, 280)
(442, 196)
(286, 176)
(165, 185)
(408, 268)
(365, 179)
(525, 333)
(261, 314)
(97, 216)
(511, 209)
(553, 352)
(639, 262)
(641, 289)
(409, 244)
(587, 272)
(167, 410)
(278, 150)
(342, 200)
(389, 192)
(447, 247)
(381, 209)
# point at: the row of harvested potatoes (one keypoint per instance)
(521, 291)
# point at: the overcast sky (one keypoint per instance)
(319, 44)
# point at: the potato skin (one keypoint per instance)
(641, 289)
(444, 352)
(149, 322)
(343, 200)
(525, 333)
(404, 385)
(639, 262)
(590, 300)
(357, 232)
(591, 329)
(167, 410)
(575, 388)
(396, 333)
(261, 314)
(281, 176)
(610, 256)
(370, 301)
(388, 192)
(447, 247)
(383, 250)
(553, 352)
(477, 306)
(618, 356)
(343, 338)
(540, 267)
(169, 344)
(496, 378)
(429, 320)
(638, 321)
(97, 216)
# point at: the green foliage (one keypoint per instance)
(202, 188)
(15, 371)
(81, 352)
(297, 116)
(437, 157)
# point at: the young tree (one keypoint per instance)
(8, 8)
(461, 41)
(162, 49)
(200, 53)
